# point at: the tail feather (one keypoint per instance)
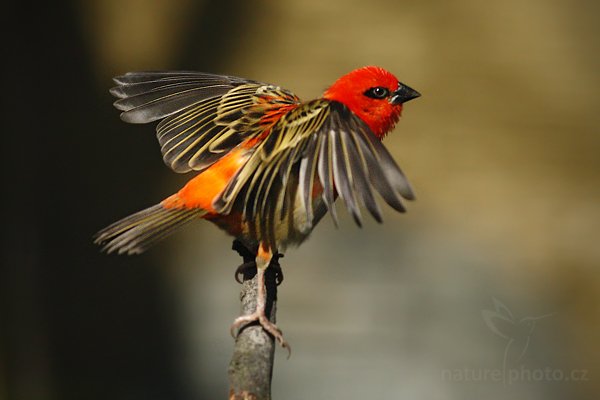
(138, 232)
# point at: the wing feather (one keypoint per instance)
(390, 169)
(306, 175)
(326, 175)
(203, 116)
(360, 178)
(342, 175)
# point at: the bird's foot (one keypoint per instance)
(260, 317)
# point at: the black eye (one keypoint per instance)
(377, 92)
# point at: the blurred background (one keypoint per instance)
(440, 303)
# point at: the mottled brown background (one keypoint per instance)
(502, 150)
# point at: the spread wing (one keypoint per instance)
(203, 115)
(320, 144)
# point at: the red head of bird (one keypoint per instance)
(374, 94)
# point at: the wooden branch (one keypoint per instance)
(251, 367)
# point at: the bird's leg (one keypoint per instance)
(247, 270)
(263, 259)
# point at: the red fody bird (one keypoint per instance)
(269, 165)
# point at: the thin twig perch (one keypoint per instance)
(251, 366)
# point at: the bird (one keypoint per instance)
(268, 165)
(516, 331)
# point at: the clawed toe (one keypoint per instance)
(267, 325)
(243, 269)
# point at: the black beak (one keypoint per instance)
(403, 94)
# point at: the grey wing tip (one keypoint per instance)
(134, 116)
(407, 193)
(332, 210)
(117, 91)
(129, 77)
(401, 209)
(122, 79)
(357, 219)
(120, 105)
(396, 204)
(377, 218)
